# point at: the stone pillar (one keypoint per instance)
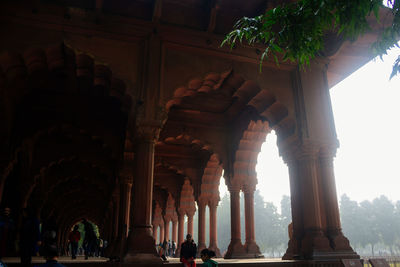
(140, 241)
(338, 241)
(155, 233)
(235, 248)
(114, 226)
(294, 244)
(251, 247)
(213, 228)
(190, 223)
(181, 231)
(175, 231)
(166, 229)
(162, 233)
(202, 226)
(124, 215)
(314, 243)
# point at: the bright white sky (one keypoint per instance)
(366, 108)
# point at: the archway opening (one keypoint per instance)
(272, 207)
(90, 239)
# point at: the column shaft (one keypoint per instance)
(249, 218)
(213, 225)
(190, 224)
(202, 226)
(162, 233)
(181, 230)
(174, 231)
(334, 230)
(155, 232)
(140, 242)
(235, 248)
(166, 231)
(213, 229)
(251, 246)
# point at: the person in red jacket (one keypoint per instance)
(74, 238)
(188, 252)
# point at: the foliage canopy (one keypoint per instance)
(295, 31)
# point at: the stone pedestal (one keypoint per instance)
(140, 241)
(201, 244)
(235, 249)
(213, 229)
(252, 249)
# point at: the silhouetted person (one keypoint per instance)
(51, 255)
(89, 243)
(206, 256)
(188, 252)
(169, 248)
(7, 233)
(49, 232)
(173, 247)
(74, 237)
(29, 237)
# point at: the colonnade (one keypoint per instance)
(309, 155)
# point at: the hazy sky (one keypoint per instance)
(366, 108)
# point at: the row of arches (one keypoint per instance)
(74, 139)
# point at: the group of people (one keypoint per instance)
(167, 249)
(91, 244)
(189, 251)
(32, 239)
(29, 237)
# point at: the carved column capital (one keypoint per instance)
(202, 201)
(234, 186)
(296, 149)
(149, 123)
(250, 187)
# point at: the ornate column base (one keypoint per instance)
(253, 250)
(236, 250)
(315, 245)
(216, 250)
(291, 252)
(141, 247)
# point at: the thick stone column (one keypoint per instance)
(175, 231)
(124, 215)
(181, 231)
(314, 243)
(295, 232)
(202, 226)
(155, 233)
(162, 233)
(338, 241)
(213, 228)
(190, 223)
(166, 229)
(115, 220)
(140, 241)
(235, 248)
(251, 247)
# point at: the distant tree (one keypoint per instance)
(369, 228)
(351, 219)
(286, 218)
(386, 221)
(286, 211)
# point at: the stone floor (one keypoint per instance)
(80, 261)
